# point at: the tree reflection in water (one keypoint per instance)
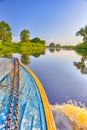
(25, 54)
(52, 50)
(25, 59)
(81, 65)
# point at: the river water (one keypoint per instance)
(63, 75)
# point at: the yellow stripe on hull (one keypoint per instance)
(48, 114)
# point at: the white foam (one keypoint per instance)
(61, 121)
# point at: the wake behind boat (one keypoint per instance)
(23, 102)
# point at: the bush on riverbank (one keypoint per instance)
(81, 46)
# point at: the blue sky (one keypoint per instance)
(52, 20)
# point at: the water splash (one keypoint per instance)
(62, 122)
(70, 116)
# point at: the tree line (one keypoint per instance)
(83, 32)
(6, 34)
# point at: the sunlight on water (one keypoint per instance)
(73, 115)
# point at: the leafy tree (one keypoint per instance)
(24, 35)
(43, 42)
(5, 32)
(58, 46)
(83, 32)
(52, 44)
(38, 40)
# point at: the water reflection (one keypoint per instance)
(52, 50)
(59, 70)
(25, 54)
(56, 70)
(81, 65)
(25, 58)
(58, 49)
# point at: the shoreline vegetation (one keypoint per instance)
(26, 43)
(36, 47)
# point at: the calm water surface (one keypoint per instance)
(62, 74)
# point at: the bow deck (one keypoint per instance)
(34, 110)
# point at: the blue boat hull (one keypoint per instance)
(23, 101)
(31, 111)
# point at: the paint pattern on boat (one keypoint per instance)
(48, 114)
(34, 112)
(31, 107)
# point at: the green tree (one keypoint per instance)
(58, 46)
(83, 32)
(38, 40)
(24, 35)
(52, 45)
(5, 32)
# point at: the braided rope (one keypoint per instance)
(18, 95)
(16, 68)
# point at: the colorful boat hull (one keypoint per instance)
(34, 108)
